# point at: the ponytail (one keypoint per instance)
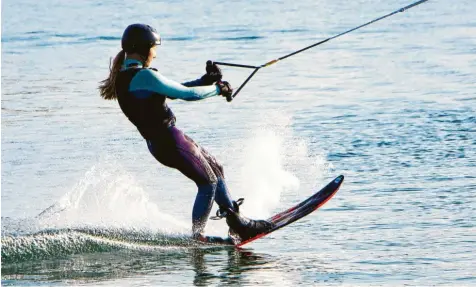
(107, 87)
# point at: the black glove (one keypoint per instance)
(213, 74)
(225, 90)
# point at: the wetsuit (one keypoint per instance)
(141, 93)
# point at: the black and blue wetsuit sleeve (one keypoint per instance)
(148, 81)
(194, 83)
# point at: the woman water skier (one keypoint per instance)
(141, 92)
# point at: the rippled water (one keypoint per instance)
(391, 106)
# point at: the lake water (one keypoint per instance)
(391, 106)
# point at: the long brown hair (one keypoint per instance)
(107, 87)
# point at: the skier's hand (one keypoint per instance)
(213, 74)
(225, 90)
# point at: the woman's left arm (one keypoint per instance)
(195, 83)
(212, 76)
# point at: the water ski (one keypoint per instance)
(292, 214)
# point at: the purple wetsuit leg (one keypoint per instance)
(222, 195)
(177, 150)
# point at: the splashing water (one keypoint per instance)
(266, 177)
(274, 162)
(108, 196)
(104, 211)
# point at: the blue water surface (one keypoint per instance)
(391, 106)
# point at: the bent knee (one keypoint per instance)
(206, 177)
(218, 170)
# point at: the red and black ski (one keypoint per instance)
(299, 211)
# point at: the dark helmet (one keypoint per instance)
(139, 38)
